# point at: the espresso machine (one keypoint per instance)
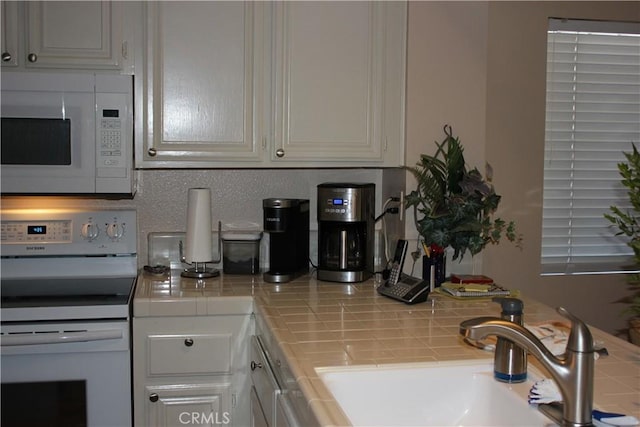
(287, 222)
(346, 221)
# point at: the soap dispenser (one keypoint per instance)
(510, 361)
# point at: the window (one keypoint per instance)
(592, 117)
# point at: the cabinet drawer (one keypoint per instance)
(189, 354)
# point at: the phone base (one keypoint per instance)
(409, 290)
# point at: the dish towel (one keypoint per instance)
(546, 391)
(553, 335)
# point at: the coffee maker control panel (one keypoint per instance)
(340, 209)
(344, 202)
(337, 206)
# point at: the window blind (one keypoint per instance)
(592, 117)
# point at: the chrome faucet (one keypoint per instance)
(572, 371)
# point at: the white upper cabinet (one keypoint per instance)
(59, 34)
(339, 82)
(9, 33)
(273, 84)
(202, 99)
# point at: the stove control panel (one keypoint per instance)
(67, 232)
(36, 231)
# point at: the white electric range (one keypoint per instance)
(67, 283)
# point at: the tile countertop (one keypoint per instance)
(318, 324)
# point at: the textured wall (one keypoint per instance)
(236, 195)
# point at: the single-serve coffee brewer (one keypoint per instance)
(346, 238)
(287, 222)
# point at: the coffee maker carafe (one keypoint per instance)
(287, 222)
(346, 238)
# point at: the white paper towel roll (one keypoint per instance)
(198, 241)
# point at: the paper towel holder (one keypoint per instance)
(200, 269)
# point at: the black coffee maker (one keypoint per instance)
(346, 221)
(287, 222)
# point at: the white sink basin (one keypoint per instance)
(461, 393)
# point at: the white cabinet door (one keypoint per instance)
(203, 100)
(189, 404)
(339, 82)
(9, 33)
(72, 34)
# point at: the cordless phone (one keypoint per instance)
(402, 287)
(398, 262)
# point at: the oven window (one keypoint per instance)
(53, 403)
(28, 141)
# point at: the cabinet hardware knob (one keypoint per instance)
(154, 397)
(152, 152)
(280, 152)
(255, 365)
(32, 57)
(6, 56)
(188, 342)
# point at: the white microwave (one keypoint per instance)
(66, 133)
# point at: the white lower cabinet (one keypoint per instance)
(276, 397)
(184, 404)
(191, 370)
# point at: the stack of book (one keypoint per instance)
(467, 285)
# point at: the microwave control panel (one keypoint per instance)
(113, 131)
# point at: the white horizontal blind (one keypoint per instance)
(592, 117)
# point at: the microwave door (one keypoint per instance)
(42, 141)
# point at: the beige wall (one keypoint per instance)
(481, 67)
(446, 84)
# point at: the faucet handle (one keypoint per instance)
(580, 339)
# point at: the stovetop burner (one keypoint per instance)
(66, 299)
(66, 292)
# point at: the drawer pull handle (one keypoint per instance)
(255, 365)
(188, 342)
(154, 397)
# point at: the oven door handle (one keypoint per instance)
(59, 338)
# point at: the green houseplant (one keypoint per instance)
(628, 224)
(454, 206)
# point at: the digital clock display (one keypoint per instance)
(36, 229)
(338, 202)
(110, 113)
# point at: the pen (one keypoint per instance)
(427, 252)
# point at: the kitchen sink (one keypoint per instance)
(458, 393)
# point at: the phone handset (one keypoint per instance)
(398, 262)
